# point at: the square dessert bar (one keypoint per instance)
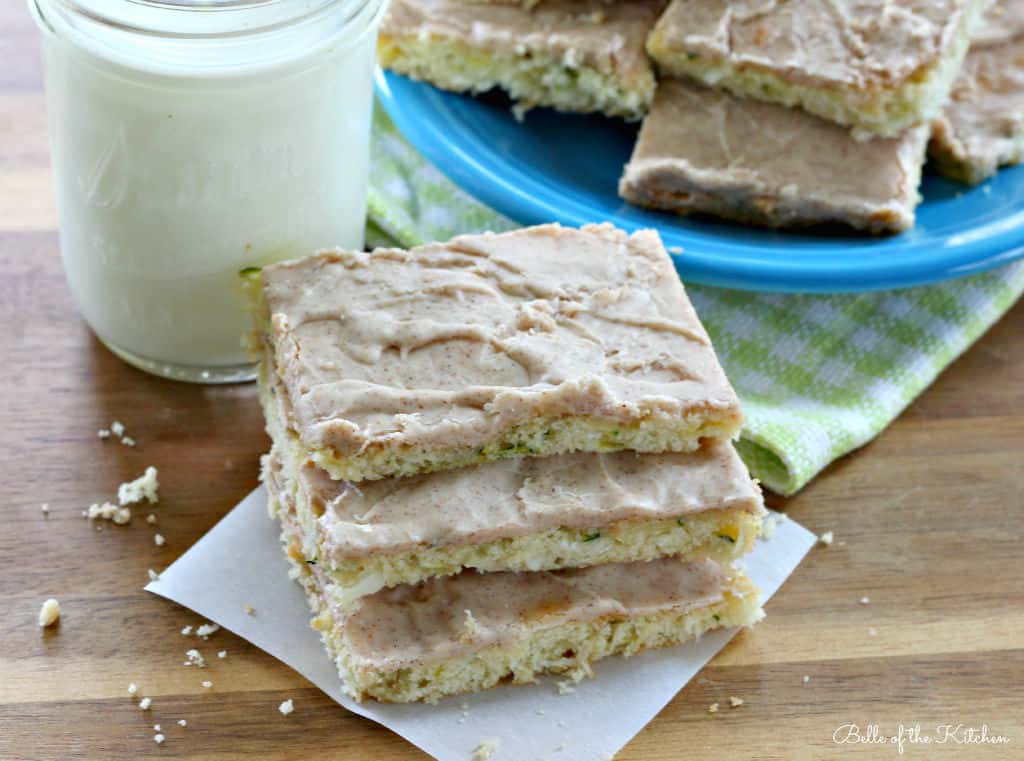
(703, 150)
(877, 65)
(982, 128)
(469, 632)
(522, 514)
(534, 342)
(573, 55)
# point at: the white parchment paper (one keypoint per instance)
(239, 562)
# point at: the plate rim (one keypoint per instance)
(518, 196)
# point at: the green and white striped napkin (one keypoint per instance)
(819, 376)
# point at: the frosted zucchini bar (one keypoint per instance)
(534, 342)
(878, 65)
(573, 55)
(475, 630)
(982, 128)
(703, 150)
(523, 514)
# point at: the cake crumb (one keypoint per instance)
(142, 488)
(566, 687)
(771, 523)
(187, 631)
(117, 428)
(128, 441)
(151, 519)
(675, 250)
(249, 610)
(485, 750)
(826, 538)
(158, 738)
(182, 723)
(735, 702)
(807, 678)
(539, 712)
(222, 654)
(156, 728)
(45, 509)
(207, 684)
(194, 658)
(872, 631)
(713, 708)
(153, 575)
(109, 512)
(520, 109)
(103, 433)
(158, 540)
(145, 703)
(49, 613)
(132, 688)
(470, 628)
(286, 707)
(205, 630)
(865, 600)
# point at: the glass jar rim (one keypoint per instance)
(190, 18)
(211, 38)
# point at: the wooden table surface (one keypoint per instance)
(927, 525)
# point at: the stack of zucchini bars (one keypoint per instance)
(501, 456)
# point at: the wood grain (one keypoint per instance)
(927, 522)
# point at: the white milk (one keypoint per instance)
(178, 164)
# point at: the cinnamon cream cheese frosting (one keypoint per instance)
(532, 342)
(982, 128)
(703, 150)
(415, 625)
(575, 55)
(879, 65)
(522, 496)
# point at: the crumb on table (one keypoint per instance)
(144, 487)
(49, 613)
(485, 750)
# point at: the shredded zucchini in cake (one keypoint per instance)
(530, 80)
(539, 437)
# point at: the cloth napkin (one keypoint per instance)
(818, 375)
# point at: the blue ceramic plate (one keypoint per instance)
(565, 168)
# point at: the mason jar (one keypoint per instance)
(193, 142)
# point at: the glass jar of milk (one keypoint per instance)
(193, 141)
